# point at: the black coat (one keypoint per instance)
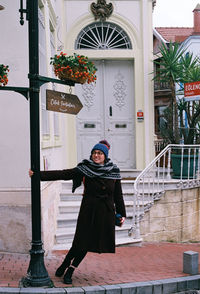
(95, 230)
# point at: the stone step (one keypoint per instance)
(67, 233)
(127, 184)
(67, 198)
(128, 195)
(69, 208)
(69, 220)
(129, 173)
(169, 184)
(64, 237)
(74, 206)
(68, 237)
(67, 186)
(128, 241)
(70, 204)
(127, 188)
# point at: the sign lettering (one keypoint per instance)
(62, 102)
(192, 91)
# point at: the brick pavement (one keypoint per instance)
(151, 261)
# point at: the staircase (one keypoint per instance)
(151, 184)
(140, 190)
(69, 208)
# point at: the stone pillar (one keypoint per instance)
(190, 262)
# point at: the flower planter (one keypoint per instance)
(66, 75)
(4, 69)
(76, 68)
(188, 168)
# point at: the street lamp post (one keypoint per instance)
(37, 274)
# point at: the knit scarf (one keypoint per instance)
(92, 170)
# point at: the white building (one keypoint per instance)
(121, 46)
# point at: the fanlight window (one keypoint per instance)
(103, 35)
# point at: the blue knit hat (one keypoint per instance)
(103, 146)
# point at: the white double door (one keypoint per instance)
(108, 112)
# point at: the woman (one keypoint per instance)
(102, 198)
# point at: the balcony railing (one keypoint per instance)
(161, 86)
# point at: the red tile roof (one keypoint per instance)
(178, 34)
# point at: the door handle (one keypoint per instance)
(110, 110)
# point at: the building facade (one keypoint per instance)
(189, 39)
(119, 107)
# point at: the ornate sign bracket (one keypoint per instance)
(101, 10)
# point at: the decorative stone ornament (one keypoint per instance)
(101, 10)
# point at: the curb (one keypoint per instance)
(165, 286)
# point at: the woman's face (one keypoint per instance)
(98, 156)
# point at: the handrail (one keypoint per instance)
(153, 181)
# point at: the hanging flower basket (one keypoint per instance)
(4, 69)
(75, 67)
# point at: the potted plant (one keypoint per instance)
(181, 118)
(74, 67)
(4, 69)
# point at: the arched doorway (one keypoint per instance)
(108, 110)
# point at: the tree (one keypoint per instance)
(182, 118)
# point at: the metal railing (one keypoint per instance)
(159, 145)
(175, 167)
(161, 85)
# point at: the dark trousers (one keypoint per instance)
(76, 256)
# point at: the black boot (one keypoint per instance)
(61, 269)
(68, 275)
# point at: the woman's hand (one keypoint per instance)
(122, 221)
(30, 172)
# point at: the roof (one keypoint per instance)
(174, 34)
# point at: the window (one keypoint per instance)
(159, 118)
(103, 35)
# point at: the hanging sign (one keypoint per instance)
(192, 91)
(62, 102)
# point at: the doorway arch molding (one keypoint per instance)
(135, 54)
(130, 30)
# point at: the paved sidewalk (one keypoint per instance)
(151, 261)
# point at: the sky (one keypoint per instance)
(174, 13)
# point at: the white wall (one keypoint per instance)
(14, 110)
(77, 9)
(192, 45)
(15, 193)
